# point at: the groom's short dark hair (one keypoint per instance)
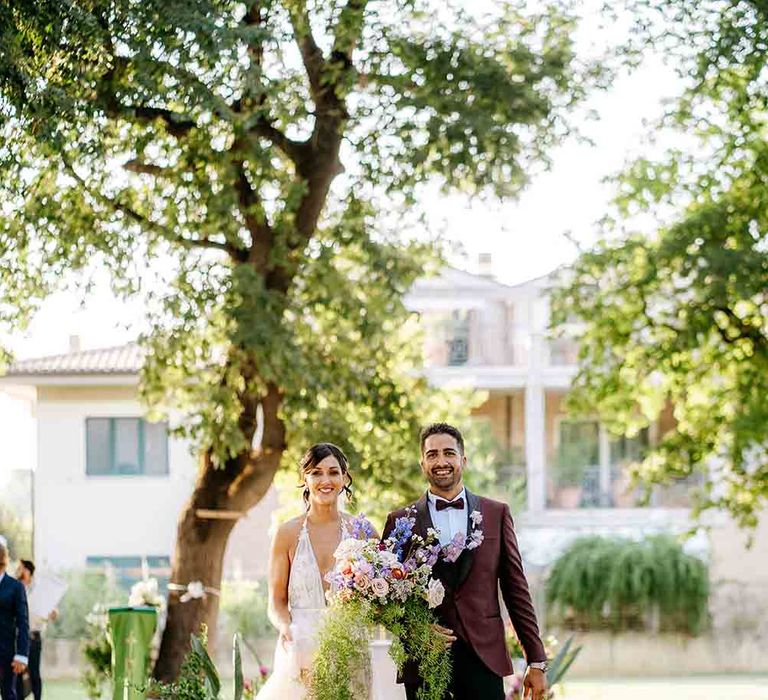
(442, 429)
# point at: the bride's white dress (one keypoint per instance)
(306, 601)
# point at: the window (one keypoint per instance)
(591, 467)
(576, 478)
(130, 569)
(458, 338)
(125, 446)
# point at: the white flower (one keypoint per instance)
(389, 559)
(195, 590)
(379, 587)
(476, 517)
(349, 548)
(435, 593)
(475, 540)
(145, 593)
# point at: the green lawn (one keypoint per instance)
(691, 688)
(748, 687)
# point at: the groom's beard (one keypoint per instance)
(445, 482)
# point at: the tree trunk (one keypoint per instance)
(201, 542)
(199, 556)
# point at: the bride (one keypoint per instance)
(301, 556)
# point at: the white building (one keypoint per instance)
(109, 485)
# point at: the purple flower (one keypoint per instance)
(361, 528)
(454, 548)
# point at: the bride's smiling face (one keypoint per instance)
(325, 481)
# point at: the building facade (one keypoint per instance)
(109, 485)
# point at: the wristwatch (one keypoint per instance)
(541, 665)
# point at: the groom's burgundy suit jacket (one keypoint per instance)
(471, 605)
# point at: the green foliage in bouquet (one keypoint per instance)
(616, 583)
(341, 662)
(340, 665)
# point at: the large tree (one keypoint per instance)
(200, 139)
(680, 317)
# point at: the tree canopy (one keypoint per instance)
(232, 161)
(681, 317)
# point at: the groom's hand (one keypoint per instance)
(446, 634)
(534, 685)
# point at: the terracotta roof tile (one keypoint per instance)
(122, 359)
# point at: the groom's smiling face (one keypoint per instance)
(443, 463)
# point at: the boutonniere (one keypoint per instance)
(460, 541)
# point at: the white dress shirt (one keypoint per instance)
(448, 521)
(18, 657)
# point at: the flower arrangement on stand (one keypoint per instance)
(97, 646)
(561, 659)
(97, 653)
(147, 593)
(385, 583)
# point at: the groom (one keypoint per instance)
(470, 612)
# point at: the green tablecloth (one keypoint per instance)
(131, 630)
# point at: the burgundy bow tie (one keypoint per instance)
(440, 504)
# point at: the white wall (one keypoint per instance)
(78, 515)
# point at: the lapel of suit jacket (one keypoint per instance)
(467, 557)
(423, 518)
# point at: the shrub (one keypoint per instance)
(620, 584)
(244, 611)
(17, 531)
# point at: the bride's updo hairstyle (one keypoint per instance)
(316, 454)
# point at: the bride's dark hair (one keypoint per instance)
(316, 454)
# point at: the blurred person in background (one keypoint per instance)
(25, 573)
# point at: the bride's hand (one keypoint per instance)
(285, 633)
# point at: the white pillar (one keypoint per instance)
(535, 408)
(535, 446)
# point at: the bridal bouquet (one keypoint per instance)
(385, 583)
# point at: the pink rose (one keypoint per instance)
(362, 582)
(379, 587)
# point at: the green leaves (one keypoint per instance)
(678, 321)
(237, 665)
(192, 148)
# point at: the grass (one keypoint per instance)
(732, 687)
(735, 687)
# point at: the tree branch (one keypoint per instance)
(137, 166)
(295, 150)
(311, 53)
(144, 222)
(250, 207)
(348, 29)
(745, 331)
(178, 125)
